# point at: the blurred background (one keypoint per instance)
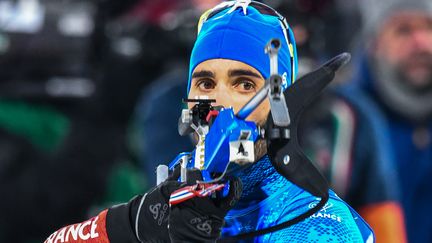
(90, 95)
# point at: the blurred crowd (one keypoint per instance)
(91, 90)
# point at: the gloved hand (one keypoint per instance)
(200, 219)
(150, 213)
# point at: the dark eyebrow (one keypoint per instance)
(243, 72)
(203, 74)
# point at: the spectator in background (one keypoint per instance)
(394, 76)
(348, 152)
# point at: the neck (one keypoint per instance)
(259, 181)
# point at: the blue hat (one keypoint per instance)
(242, 37)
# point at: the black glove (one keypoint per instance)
(201, 219)
(144, 218)
(151, 220)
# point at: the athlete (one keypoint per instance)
(228, 64)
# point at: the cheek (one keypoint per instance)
(260, 114)
(393, 49)
(237, 102)
(397, 51)
(227, 97)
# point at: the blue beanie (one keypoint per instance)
(240, 37)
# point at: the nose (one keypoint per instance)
(223, 97)
(422, 39)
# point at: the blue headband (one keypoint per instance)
(241, 37)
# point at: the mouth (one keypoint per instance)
(420, 60)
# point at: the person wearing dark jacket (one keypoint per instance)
(394, 77)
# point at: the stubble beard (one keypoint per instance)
(396, 91)
(419, 80)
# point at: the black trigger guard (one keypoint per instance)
(297, 167)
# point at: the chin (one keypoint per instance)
(420, 80)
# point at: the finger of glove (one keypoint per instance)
(192, 176)
(169, 187)
(234, 194)
(219, 206)
(175, 174)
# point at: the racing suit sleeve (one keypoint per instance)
(109, 226)
(143, 219)
(127, 222)
(92, 230)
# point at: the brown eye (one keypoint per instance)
(206, 84)
(245, 86)
(403, 29)
(248, 86)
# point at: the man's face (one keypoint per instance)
(405, 43)
(231, 83)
